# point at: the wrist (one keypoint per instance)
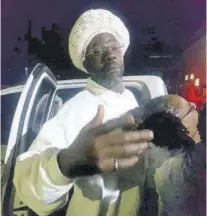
(62, 163)
(75, 169)
(54, 173)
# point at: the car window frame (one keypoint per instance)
(19, 127)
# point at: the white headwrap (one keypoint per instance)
(88, 25)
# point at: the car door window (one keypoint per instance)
(37, 115)
(8, 107)
(38, 120)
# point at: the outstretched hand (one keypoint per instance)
(97, 145)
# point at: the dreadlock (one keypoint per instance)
(163, 118)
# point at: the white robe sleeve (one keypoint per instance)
(38, 179)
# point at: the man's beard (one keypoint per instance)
(109, 79)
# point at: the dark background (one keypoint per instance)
(37, 31)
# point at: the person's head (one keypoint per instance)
(172, 119)
(105, 60)
(97, 44)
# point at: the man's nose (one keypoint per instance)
(110, 56)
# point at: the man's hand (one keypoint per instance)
(97, 145)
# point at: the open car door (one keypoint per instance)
(41, 82)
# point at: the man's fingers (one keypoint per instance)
(109, 166)
(123, 121)
(142, 135)
(120, 151)
(121, 137)
(127, 162)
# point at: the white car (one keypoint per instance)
(26, 108)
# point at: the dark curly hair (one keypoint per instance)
(162, 117)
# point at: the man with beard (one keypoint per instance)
(75, 143)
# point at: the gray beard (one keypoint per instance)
(114, 85)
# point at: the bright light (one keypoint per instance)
(197, 82)
(186, 77)
(192, 76)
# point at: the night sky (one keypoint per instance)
(175, 20)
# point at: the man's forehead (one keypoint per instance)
(102, 39)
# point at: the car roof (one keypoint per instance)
(61, 84)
